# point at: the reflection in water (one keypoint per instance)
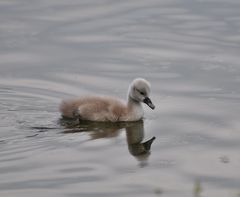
(134, 134)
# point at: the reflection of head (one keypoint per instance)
(136, 146)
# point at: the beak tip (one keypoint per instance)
(149, 103)
(152, 107)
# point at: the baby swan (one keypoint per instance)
(102, 108)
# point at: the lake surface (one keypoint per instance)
(188, 50)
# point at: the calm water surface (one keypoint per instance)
(189, 51)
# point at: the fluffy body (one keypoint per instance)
(105, 108)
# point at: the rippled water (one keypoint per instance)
(188, 50)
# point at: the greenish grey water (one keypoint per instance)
(188, 50)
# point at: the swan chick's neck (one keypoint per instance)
(135, 109)
(132, 103)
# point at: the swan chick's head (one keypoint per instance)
(139, 91)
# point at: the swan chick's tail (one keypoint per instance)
(67, 108)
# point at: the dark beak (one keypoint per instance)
(149, 102)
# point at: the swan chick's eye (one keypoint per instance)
(142, 93)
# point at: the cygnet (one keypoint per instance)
(105, 108)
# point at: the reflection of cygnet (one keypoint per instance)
(102, 108)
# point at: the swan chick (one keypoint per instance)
(106, 108)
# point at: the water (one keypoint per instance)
(188, 50)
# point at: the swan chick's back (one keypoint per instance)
(94, 108)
